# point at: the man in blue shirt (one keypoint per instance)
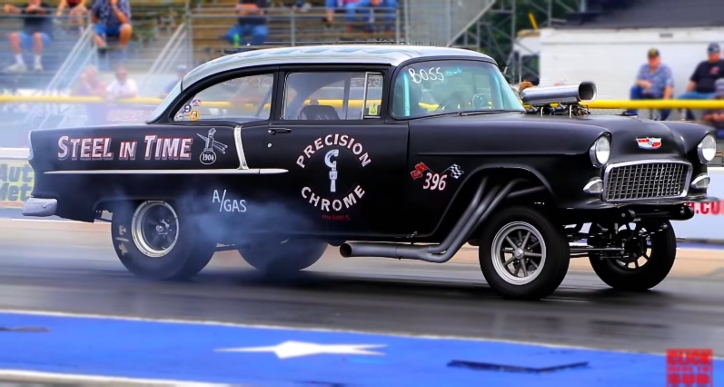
(388, 7)
(112, 19)
(349, 7)
(654, 81)
(251, 20)
(37, 32)
(701, 83)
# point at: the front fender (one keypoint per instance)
(690, 134)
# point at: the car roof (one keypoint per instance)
(379, 54)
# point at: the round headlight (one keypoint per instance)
(600, 151)
(707, 149)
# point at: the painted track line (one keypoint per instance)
(55, 377)
(309, 329)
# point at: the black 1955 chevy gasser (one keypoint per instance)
(386, 151)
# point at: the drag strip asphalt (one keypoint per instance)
(71, 268)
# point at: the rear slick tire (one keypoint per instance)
(156, 241)
(285, 258)
(522, 254)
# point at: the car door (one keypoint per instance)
(228, 116)
(346, 169)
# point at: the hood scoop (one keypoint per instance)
(539, 100)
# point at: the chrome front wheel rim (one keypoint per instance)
(518, 252)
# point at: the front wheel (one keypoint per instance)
(650, 252)
(283, 257)
(155, 240)
(522, 254)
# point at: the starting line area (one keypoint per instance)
(198, 352)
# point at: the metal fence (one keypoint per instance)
(200, 36)
(176, 53)
(72, 51)
(61, 57)
(442, 22)
(289, 26)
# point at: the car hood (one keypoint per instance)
(631, 135)
(527, 133)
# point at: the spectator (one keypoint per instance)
(654, 81)
(302, 6)
(113, 20)
(251, 21)
(716, 117)
(76, 12)
(37, 33)
(388, 7)
(348, 6)
(180, 72)
(88, 85)
(701, 83)
(122, 86)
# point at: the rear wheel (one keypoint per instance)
(155, 240)
(522, 254)
(650, 253)
(283, 256)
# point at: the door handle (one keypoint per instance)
(279, 130)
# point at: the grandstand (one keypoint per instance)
(430, 21)
(153, 22)
(287, 26)
(166, 33)
(156, 21)
(164, 27)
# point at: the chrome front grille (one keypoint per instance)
(646, 180)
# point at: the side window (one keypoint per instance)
(333, 96)
(247, 98)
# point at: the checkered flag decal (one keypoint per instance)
(455, 171)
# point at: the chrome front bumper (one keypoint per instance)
(40, 207)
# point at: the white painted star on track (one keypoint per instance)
(289, 349)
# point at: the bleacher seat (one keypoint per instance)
(213, 18)
(53, 56)
(156, 20)
(151, 19)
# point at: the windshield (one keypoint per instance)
(434, 87)
(156, 114)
